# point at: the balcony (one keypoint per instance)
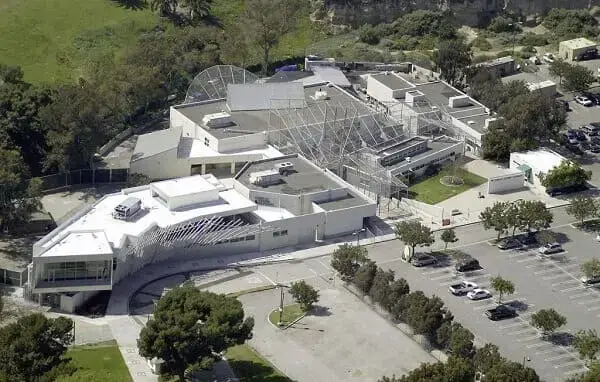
(72, 285)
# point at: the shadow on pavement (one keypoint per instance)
(561, 338)
(519, 306)
(320, 311)
(256, 372)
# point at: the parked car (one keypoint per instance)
(590, 280)
(591, 129)
(548, 57)
(550, 248)
(595, 148)
(566, 189)
(462, 288)
(580, 135)
(421, 260)
(478, 294)
(598, 237)
(501, 312)
(583, 100)
(467, 264)
(574, 148)
(595, 98)
(570, 139)
(564, 104)
(509, 243)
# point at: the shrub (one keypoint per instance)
(504, 53)
(502, 24)
(482, 43)
(368, 34)
(533, 39)
(529, 49)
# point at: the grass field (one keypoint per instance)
(249, 366)
(290, 313)
(431, 191)
(51, 39)
(98, 363)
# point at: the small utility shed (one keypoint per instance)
(576, 49)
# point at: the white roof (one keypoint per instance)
(154, 213)
(270, 214)
(200, 150)
(578, 43)
(542, 160)
(80, 243)
(183, 186)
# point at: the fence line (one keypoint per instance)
(67, 179)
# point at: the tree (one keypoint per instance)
(304, 294)
(365, 275)
(452, 57)
(509, 371)
(423, 314)
(494, 217)
(460, 340)
(502, 286)
(165, 7)
(496, 145)
(413, 233)
(197, 8)
(381, 287)
(397, 290)
(592, 374)
(558, 68)
(591, 268)
(455, 369)
(136, 180)
(533, 214)
(191, 327)
(546, 237)
(19, 197)
(578, 78)
(368, 34)
(512, 215)
(587, 343)
(266, 21)
(33, 345)
(347, 259)
(448, 236)
(548, 320)
(582, 208)
(567, 173)
(486, 357)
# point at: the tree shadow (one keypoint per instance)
(249, 371)
(213, 21)
(131, 4)
(519, 306)
(320, 311)
(560, 338)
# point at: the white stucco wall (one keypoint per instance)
(379, 91)
(347, 220)
(164, 165)
(506, 182)
(243, 142)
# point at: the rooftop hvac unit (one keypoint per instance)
(285, 167)
(265, 178)
(321, 95)
(217, 120)
(127, 208)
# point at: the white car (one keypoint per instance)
(583, 100)
(598, 237)
(462, 288)
(548, 57)
(478, 294)
(550, 248)
(590, 280)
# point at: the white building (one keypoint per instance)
(577, 49)
(192, 217)
(536, 162)
(425, 106)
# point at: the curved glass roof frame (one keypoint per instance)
(211, 83)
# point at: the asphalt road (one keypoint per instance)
(540, 283)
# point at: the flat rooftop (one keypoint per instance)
(392, 81)
(195, 148)
(542, 160)
(347, 201)
(476, 122)
(394, 148)
(245, 122)
(578, 43)
(80, 243)
(153, 213)
(433, 146)
(183, 186)
(305, 178)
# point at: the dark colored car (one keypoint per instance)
(594, 97)
(468, 264)
(566, 189)
(501, 312)
(574, 148)
(580, 135)
(509, 244)
(585, 146)
(595, 148)
(422, 260)
(564, 104)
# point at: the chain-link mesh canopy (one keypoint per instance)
(212, 83)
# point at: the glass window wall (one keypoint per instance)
(80, 270)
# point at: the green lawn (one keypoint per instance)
(431, 191)
(98, 363)
(290, 313)
(52, 39)
(249, 366)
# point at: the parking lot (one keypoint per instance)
(540, 283)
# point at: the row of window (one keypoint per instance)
(438, 160)
(76, 270)
(236, 239)
(206, 141)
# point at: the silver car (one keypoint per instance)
(423, 260)
(550, 248)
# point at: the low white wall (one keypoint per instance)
(347, 220)
(70, 304)
(164, 165)
(506, 182)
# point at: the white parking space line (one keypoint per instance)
(446, 276)
(515, 333)
(556, 358)
(527, 259)
(485, 301)
(582, 369)
(549, 270)
(436, 271)
(575, 296)
(538, 345)
(593, 309)
(561, 275)
(325, 265)
(518, 254)
(579, 287)
(553, 350)
(567, 282)
(510, 325)
(530, 338)
(588, 301)
(577, 362)
(490, 306)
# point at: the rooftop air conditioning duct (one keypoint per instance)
(265, 178)
(284, 167)
(217, 120)
(321, 95)
(127, 208)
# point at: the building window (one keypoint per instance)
(206, 142)
(250, 237)
(284, 232)
(276, 234)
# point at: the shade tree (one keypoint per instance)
(548, 320)
(346, 260)
(365, 275)
(304, 294)
(587, 343)
(413, 233)
(502, 286)
(582, 208)
(448, 236)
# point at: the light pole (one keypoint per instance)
(525, 358)
(357, 234)
(281, 286)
